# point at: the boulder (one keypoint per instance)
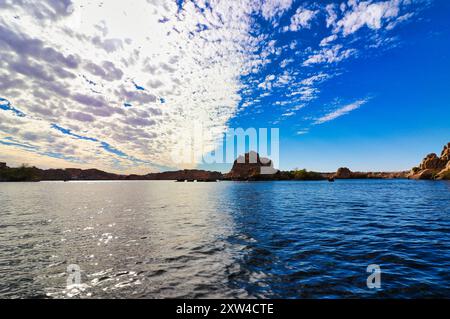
(251, 166)
(445, 173)
(433, 167)
(343, 173)
(445, 154)
(432, 161)
(426, 174)
(423, 174)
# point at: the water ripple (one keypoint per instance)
(229, 240)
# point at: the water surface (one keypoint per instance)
(163, 239)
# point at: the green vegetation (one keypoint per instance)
(304, 175)
(19, 174)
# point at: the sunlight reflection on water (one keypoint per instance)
(265, 239)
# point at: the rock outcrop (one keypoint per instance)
(433, 167)
(345, 173)
(445, 173)
(432, 161)
(251, 167)
(445, 156)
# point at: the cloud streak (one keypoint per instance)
(340, 112)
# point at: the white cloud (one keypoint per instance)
(77, 68)
(340, 111)
(331, 15)
(326, 41)
(137, 77)
(288, 114)
(267, 83)
(399, 20)
(274, 8)
(332, 55)
(366, 13)
(303, 132)
(316, 78)
(285, 62)
(301, 19)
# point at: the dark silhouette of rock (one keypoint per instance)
(343, 173)
(73, 174)
(92, 174)
(19, 174)
(55, 175)
(251, 167)
(194, 174)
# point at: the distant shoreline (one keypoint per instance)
(249, 167)
(218, 181)
(34, 174)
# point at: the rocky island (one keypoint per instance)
(249, 167)
(433, 167)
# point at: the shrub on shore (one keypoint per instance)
(304, 175)
(19, 174)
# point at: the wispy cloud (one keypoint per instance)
(303, 132)
(333, 55)
(340, 111)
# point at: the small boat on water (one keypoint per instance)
(331, 179)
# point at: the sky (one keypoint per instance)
(119, 87)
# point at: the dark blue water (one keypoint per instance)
(232, 240)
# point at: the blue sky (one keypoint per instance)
(362, 84)
(407, 113)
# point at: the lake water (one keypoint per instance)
(159, 239)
